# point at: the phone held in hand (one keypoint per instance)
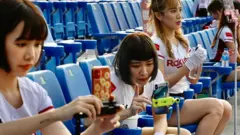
(101, 83)
(160, 94)
(161, 90)
(101, 88)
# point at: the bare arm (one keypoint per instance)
(28, 125)
(125, 114)
(103, 125)
(160, 122)
(49, 122)
(56, 128)
(175, 77)
(231, 46)
(195, 80)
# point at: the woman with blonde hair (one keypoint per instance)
(173, 50)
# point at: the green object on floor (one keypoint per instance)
(203, 96)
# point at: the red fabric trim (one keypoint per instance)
(161, 56)
(229, 34)
(46, 109)
(113, 87)
(157, 47)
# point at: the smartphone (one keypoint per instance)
(161, 90)
(101, 83)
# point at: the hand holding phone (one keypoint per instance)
(101, 88)
(101, 83)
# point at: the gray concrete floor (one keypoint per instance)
(229, 130)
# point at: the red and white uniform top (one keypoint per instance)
(225, 35)
(173, 64)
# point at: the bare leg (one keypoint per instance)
(206, 112)
(226, 116)
(231, 78)
(170, 131)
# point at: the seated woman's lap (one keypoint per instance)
(194, 110)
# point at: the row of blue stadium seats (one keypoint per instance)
(69, 19)
(118, 21)
(101, 43)
(187, 7)
(191, 23)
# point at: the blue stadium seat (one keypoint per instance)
(191, 40)
(49, 82)
(52, 51)
(100, 30)
(210, 35)
(69, 76)
(128, 15)
(214, 31)
(86, 66)
(199, 40)
(53, 57)
(110, 17)
(46, 7)
(122, 131)
(186, 9)
(72, 49)
(80, 20)
(69, 19)
(189, 25)
(122, 22)
(206, 42)
(42, 61)
(137, 13)
(106, 60)
(190, 5)
(57, 20)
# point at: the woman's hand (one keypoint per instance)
(138, 103)
(194, 75)
(108, 123)
(89, 105)
(104, 124)
(197, 58)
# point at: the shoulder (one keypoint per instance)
(226, 29)
(117, 83)
(29, 86)
(226, 34)
(114, 78)
(157, 40)
(160, 46)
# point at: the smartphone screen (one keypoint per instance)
(161, 90)
(101, 82)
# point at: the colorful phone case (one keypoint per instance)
(101, 82)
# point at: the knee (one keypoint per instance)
(227, 109)
(217, 108)
(185, 132)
